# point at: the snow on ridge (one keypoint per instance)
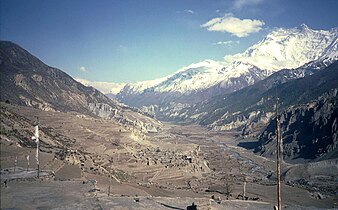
(192, 77)
(288, 48)
(171, 82)
(280, 49)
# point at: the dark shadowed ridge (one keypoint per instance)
(291, 91)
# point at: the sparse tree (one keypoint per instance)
(228, 190)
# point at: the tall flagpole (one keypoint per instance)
(36, 138)
(279, 200)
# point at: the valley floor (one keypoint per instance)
(170, 169)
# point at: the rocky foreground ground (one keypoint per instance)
(78, 195)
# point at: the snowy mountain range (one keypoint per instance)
(280, 49)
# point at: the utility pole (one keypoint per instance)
(109, 180)
(278, 136)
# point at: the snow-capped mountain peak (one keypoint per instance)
(281, 49)
(288, 48)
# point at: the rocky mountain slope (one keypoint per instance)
(281, 49)
(253, 107)
(308, 105)
(25, 80)
(309, 131)
(257, 102)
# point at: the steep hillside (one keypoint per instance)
(253, 106)
(309, 131)
(254, 103)
(25, 80)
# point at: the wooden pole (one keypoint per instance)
(244, 186)
(279, 200)
(109, 181)
(27, 158)
(15, 163)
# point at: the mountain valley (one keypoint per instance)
(203, 135)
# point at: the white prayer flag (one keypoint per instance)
(36, 138)
(37, 133)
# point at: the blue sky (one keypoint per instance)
(134, 40)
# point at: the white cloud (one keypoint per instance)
(104, 87)
(235, 26)
(239, 4)
(187, 11)
(226, 43)
(83, 69)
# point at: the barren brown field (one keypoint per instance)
(93, 163)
